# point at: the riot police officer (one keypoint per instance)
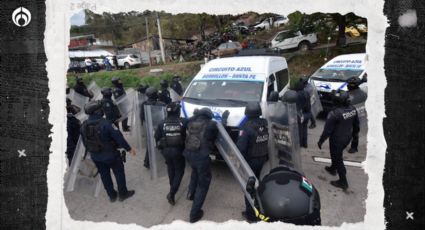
(101, 140)
(303, 110)
(72, 128)
(357, 96)
(118, 92)
(152, 95)
(176, 85)
(309, 89)
(170, 134)
(142, 88)
(111, 110)
(164, 94)
(253, 143)
(340, 124)
(81, 88)
(201, 134)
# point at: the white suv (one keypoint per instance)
(288, 39)
(128, 60)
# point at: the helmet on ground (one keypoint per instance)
(253, 109)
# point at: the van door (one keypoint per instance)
(282, 81)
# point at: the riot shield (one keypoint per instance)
(82, 172)
(78, 99)
(137, 132)
(126, 105)
(153, 116)
(174, 96)
(95, 90)
(284, 147)
(236, 162)
(316, 105)
(362, 113)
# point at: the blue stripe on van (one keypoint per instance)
(343, 85)
(242, 121)
(184, 110)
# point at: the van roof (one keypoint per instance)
(249, 68)
(347, 61)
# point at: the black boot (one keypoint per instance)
(330, 170)
(352, 150)
(170, 199)
(197, 217)
(129, 194)
(190, 195)
(341, 183)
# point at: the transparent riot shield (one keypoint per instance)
(82, 172)
(284, 147)
(137, 132)
(77, 99)
(126, 105)
(174, 96)
(362, 113)
(95, 90)
(153, 116)
(316, 105)
(236, 162)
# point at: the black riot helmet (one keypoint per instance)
(286, 195)
(341, 97)
(79, 80)
(176, 78)
(290, 96)
(205, 111)
(116, 81)
(68, 102)
(353, 83)
(164, 84)
(152, 93)
(106, 92)
(93, 107)
(173, 108)
(142, 88)
(253, 109)
(273, 97)
(300, 84)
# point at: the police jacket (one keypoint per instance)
(149, 102)
(176, 86)
(253, 138)
(208, 139)
(110, 137)
(111, 110)
(171, 133)
(164, 96)
(118, 92)
(340, 124)
(73, 130)
(303, 102)
(82, 89)
(357, 96)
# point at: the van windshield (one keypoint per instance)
(336, 74)
(225, 90)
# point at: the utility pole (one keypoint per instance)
(147, 40)
(161, 45)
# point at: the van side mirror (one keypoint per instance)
(273, 97)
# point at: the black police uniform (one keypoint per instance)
(164, 96)
(112, 113)
(340, 124)
(253, 143)
(200, 137)
(176, 86)
(81, 88)
(150, 101)
(73, 129)
(118, 92)
(309, 89)
(101, 140)
(171, 133)
(304, 114)
(357, 96)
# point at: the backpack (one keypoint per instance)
(194, 134)
(173, 133)
(259, 142)
(91, 136)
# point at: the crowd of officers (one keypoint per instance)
(192, 140)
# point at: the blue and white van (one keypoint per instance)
(335, 73)
(229, 83)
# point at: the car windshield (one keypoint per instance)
(336, 74)
(133, 56)
(225, 90)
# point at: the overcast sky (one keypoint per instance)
(78, 19)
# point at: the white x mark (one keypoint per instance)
(409, 215)
(22, 153)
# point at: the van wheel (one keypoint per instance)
(304, 46)
(126, 65)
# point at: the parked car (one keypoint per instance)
(128, 61)
(227, 49)
(280, 20)
(261, 24)
(76, 67)
(289, 39)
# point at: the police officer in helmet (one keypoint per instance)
(201, 134)
(340, 125)
(152, 94)
(303, 110)
(119, 91)
(164, 94)
(102, 141)
(111, 110)
(176, 85)
(357, 96)
(81, 88)
(253, 143)
(171, 134)
(72, 129)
